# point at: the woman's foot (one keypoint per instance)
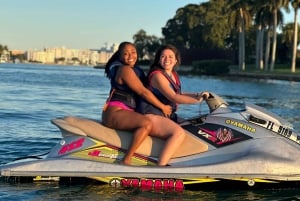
(126, 161)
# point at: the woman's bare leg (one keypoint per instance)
(132, 121)
(139, 136)
(167, 129)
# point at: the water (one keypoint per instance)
(32, 95)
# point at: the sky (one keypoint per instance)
(80, 24)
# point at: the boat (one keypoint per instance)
(225, 147)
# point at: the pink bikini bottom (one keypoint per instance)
(119, 104)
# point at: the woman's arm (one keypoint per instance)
(204, 95)
(127, 75)
(160, 82)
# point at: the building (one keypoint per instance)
(4, 56)
(65, 55)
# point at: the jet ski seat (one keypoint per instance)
(150, 147)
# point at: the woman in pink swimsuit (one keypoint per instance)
(126, 88)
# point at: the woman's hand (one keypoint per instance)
(205, 95)
(167, 110)
(202, 96)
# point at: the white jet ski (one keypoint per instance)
(248, 145)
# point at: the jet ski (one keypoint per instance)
(248, 145)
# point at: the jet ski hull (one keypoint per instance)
(158, 178)
(251, 145)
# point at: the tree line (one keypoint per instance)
(254, 30)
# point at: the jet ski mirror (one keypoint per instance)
(214, 102)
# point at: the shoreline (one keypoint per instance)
(233, 73)
(286, 77)
(253, 75)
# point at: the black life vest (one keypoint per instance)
(121, 92)
(147, 108)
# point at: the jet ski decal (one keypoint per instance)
(216, 135)
(283, 130)
(66, 148)
(146, 184)
(153, 184)
(240, 125)
(111, 154)
(220, 136)
(175, 185)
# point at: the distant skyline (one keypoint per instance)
(78, 24)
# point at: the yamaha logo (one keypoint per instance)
(148, 184)
(115, 182)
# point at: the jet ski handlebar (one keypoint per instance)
(214, 102)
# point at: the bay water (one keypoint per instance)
(33, 94)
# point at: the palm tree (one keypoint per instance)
(275, 6)
(273, 17)
(287, 37)
(296, 5)
(259, 22)
(240, 18)
(263, 20)
(259, 45)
